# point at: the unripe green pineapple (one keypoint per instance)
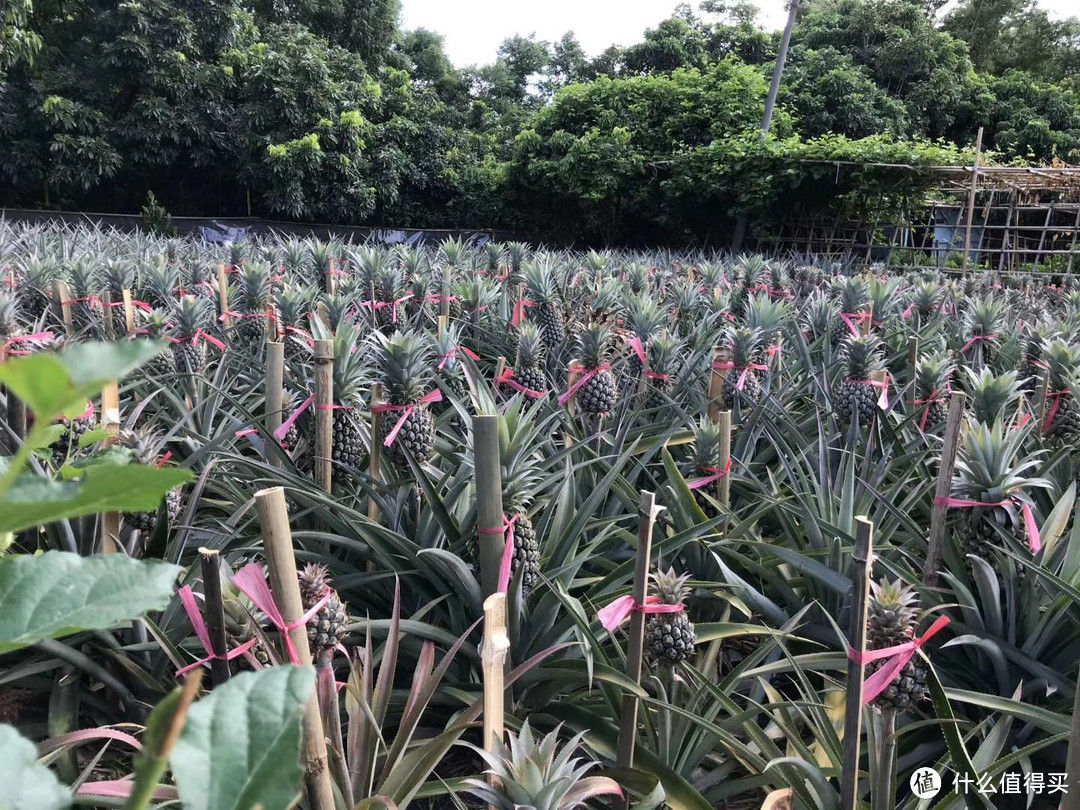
(598, 394)
(146, 445)
(1063, 412)
(926, 300)
(543, 292)
(853, 294)
(984, 323)
(856, 399)
(35, 284)
(116, 276)
(327, 627)
(932, 381)
(669, 637)
(404, 364)
(254, 293)
(67, 446)
(644, 319)
(347, 448)
(191, 316)
(293, 306)
(747, 350)
(529, 361)
(891, 620)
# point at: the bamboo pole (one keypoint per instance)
(647, 512)
(1041, 390)
(223, 296)
(489, 502)
(324, 414)
(1071, 800)
(444, 302)
(935, 544)
(129, 313)
(867, 323)
(720, 355)
(971, 200)
(110, 420)
(107, 321)
(281, 561)
(571, 378)
(493, 653)
(724, 420)
(444, 324)
(214, 611)
(62, 294)
(779, 800)
(375, 453)
(275, 375)
(912, 365)
(331, 280)
(860, 594)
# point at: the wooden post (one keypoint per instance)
(110, 420)
(277, 541)
(860, 594)
(724, 421)
(324, 414)
(912, 366)
(62, 294)
(107, 321)
(331, 280)
(214, 611)
(571, 378)
(223, 297)
(375, 453)
(720, 356)
(971, 200)
(867, 323)
(778, 362)
(444, 303)
(1041, 390)
(936, 542)
(647, 512)
(275, 374)
(493, 652)
(129, 313)
(444, 324)
(489, 503)
(1071, 800)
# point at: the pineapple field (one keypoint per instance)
(291, 523)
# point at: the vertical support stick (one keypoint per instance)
(1071, 800)
(324, 414)
(107, 322)
(867, 323)
(444, 324)
(493, 652)
(489, 504)
(129, 313)
(275, 375)
(110, 420)
(716, 382)
(444, 300)
(912, 365)
(277, 540)
(331, 280)
(214, 611)
(647, 511)
(375, 454)
(571, 378)
(223, 296)
(724, 420)
(1041, 389)
(936, 542)
(860, 592)
(971, 200)
(62, 294)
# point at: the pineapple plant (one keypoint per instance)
(669, 637)
(1031, 364)
(529, 358)
(192, 315)
(852, 294)
(663, 358)
(83, 281)
(327, 627)
(856, 398)
(991, 396)
(926, 299)
(145, 445)
(156, 326)
(598, 394)
(983, 325)
(933, 377)
(404, 363)
(644, 320)
(1062, 421)
(707, 460)
(254, 297)
(159, 283)
(35, 284)
(350, 379)
(117, 276)
(67, 445)
(543, 293)
(292, 308)
(891, 620)
(742, 382)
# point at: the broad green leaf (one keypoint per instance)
(240, 746)
(109, 455)
(94, 436)
(59, 593)
(51, 384)
(34, 501)
(27, 785)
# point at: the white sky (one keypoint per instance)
(473, 29)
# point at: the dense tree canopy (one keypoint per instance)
(327, 111)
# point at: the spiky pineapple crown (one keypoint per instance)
(861, 356)
(990, 466)
(893, 613)
(530, 348)
(144, 443)
(745, 343)
(1063, 360)
(853, 294)
(314, 580)
(541, 283)
(896, 596)
(663, 353)
(932, 374)
(992, 395)
(670, 586)
(292, 305)
(985, 318)
(118, 276)
(926, 296)
(9, 314)
(191, 315)
(404, 364)
(767, 315)
(644, 317)
(255, 287)
(707, 438)
(593, 346)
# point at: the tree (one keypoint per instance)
(422, 54)
(17, 41)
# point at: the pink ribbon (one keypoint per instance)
(251, 581)
(975, 340)
(519, 311)
(243, 316)
(508, 550)
(883, 398)
(1030, 526)
(187, 599)
(617, 612)
(639, 349)
(306, 335)
(199, 335)
(279, 434)
(899, 656)
(934, 397)
(1056, 396)
(452, 355)
(507, 378)
(717, 474)
(851, 319)
(745, 370)
(37, 336)
(584, 378)
(406, 411)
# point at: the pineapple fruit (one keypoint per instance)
(891, 620)
(1063, 412)
(932, 379)
(747, 350)
(669, 637)
(529, 360)
(598, 395)
(543, 293)
(327, 627)
(856, 399)
(145, 445)
(192, 315)
(405, 369)
(707, 439)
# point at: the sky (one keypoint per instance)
(473, 29)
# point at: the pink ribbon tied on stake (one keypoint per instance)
(1030, 526)
(851, 319)
(519, 311)
(899, 654)
(507, 378)
(584, 378)
(187, 599)
(617, 612)
(1051, 414)
(508, 550)
(727, 366)
(935, 396)
(37, 337)
(251, 581)
(717, 474)
(975, 340)
(200, 335)
(452, 355)
(406, 412)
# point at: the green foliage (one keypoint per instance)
(28, 785)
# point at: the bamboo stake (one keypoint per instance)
(331, 280)
(223, 296)
(110, 420)
(867, 323)
(129, 313)
(860, 593)
(106, 304)
(62, 293)
(1041, 389)
(971, 200)
(489, 502)
(912, 365)
(724, 421)
(214, 611)
(647, 512)
(444, 324)
(571, 378)
(720, 356)
(277, 540)
(1071, 800)
(375, 453)
(500, 366)
(778, 362)
(936, 542)
(275, 375)
(444, 303)
(493, 652)
(324, 415)
(779, 800)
